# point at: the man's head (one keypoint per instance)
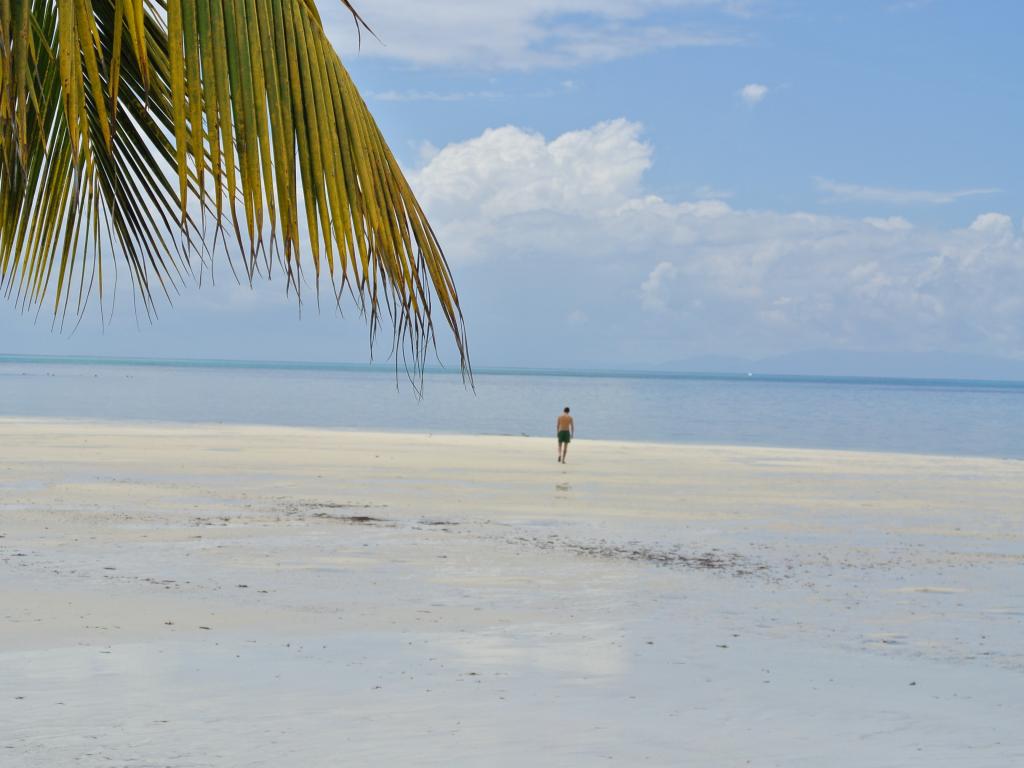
(566, 409)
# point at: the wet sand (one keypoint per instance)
(226, 596)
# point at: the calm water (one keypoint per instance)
(950, 417)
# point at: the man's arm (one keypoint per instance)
(572, 426)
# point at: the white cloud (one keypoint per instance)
(993, 223)
(718, 278)
(891, 196)
(489, 34)
(890, 223)
(653, 288)
(509, 171)
(753, 93)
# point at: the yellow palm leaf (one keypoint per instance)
(151, 133)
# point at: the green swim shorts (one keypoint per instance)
(564, 436)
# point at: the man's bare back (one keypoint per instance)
(565, 428)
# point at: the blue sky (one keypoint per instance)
(623, 184)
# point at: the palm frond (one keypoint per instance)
(147, 132)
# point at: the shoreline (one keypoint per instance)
(87, 421)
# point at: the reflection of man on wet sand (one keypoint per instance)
(566, 430)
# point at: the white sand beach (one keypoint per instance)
(255, 596)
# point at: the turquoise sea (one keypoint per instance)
(971, 418)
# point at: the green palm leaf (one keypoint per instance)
(152, 134)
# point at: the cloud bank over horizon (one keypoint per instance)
(699, 276)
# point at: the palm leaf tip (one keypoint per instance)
(152, 132)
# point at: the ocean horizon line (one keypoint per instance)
(611, 373)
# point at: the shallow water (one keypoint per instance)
(944, 417)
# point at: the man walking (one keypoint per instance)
(566, 429)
